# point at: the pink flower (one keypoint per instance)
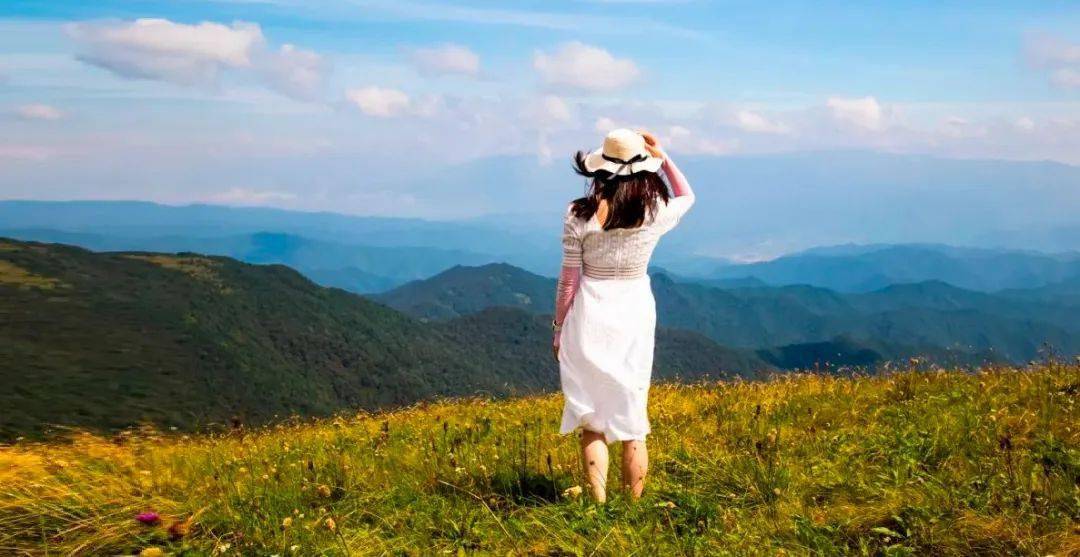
(150, 518)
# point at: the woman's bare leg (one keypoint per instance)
(594, 457)
(635, 464)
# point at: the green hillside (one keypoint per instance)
(503, 335)
(109, 340)
(462, 290)
(798, 326)
(113, 339)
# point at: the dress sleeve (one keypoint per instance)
(570, 276)
(571, 239)
(670, 215)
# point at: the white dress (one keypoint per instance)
(608, 334)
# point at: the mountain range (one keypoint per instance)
(928, 318)
(864, 268)
(372, 254)
(762, 206)
(353, 267)
(195, 314)
(750, 207)
(216, 229)
(109, 340)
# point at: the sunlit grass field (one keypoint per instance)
(910, 463)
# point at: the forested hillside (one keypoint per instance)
(462, 290)
(109, 340)
(809, 325)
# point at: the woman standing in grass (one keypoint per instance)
(605, 314)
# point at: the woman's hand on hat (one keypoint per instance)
(652, 144)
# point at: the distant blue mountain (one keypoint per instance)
(124, 222)
(762, 206)
(854, 268)
(771, 204)
(372, 254)
(749, 207)
(357, 268)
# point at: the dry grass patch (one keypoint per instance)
(200, 268)
(14, 275)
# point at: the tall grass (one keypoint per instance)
(913, 463)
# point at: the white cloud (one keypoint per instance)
(544, 153)
(38, 112)
(1059, 56)
(586, 68)
(162, 49)
(247, 196)
(551, 111)
(379, 101)
(957, 127)
(447, 59)
(1068, 78)
(710, 146)
(295, 71)
(196, 54)
(628, 119)
(683, 140)
(753, 122)
(1047, 50)
(24, 152)
(863, 112)
(604, 124)
(1024, 124)
(676, 132)
(428, 105)
(545, 116)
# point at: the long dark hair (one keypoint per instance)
(629, 198)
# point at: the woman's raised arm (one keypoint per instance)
(679, 186)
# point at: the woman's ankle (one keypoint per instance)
(598, 494)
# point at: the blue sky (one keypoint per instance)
(184, 101)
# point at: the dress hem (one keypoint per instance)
(571, 425)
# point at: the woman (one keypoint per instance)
(605, 315)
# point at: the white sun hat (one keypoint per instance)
(623, 154)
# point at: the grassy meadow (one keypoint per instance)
(910, 463)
